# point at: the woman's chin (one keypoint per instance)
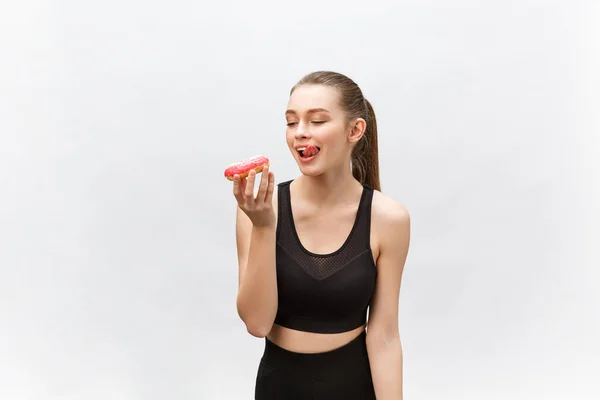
(309, 170)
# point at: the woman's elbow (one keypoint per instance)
(258, 331)
(382, 338)
(255, 326)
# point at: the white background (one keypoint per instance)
(118, 271)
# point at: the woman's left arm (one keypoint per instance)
(383, 336)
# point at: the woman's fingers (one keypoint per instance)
(270, 188)
(238, 189)
(264, 183)
(249, 189)
(243, 189)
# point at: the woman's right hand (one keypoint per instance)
(259, 207)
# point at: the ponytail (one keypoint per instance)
(365, 157)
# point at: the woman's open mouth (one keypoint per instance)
(308, 153)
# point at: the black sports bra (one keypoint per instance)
(324, 293)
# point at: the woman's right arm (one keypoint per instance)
(255, 238)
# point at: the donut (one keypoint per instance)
(243, 168)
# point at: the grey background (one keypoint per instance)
(118, 271)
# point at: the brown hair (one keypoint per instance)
(365, 158)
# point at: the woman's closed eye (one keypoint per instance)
(313, 122)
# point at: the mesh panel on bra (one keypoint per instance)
(316, 265)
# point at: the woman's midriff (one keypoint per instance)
(309, 342)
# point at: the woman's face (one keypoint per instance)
(314, 117)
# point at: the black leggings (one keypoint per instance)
(343, 373)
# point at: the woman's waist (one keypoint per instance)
(297, 341)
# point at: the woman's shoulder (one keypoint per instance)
(388, 214)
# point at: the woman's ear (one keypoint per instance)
(357, 130)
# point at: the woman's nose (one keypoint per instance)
(302, 131)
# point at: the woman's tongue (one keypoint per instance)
(310, 151)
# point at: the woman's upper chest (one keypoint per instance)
(324, 230)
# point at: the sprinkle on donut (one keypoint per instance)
(243, 168)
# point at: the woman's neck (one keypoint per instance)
(330, 188)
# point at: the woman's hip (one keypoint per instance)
(340, 373)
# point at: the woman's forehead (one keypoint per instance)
(311, 97)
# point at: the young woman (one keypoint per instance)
(316, 252)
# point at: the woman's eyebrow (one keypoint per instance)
(310, 111)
